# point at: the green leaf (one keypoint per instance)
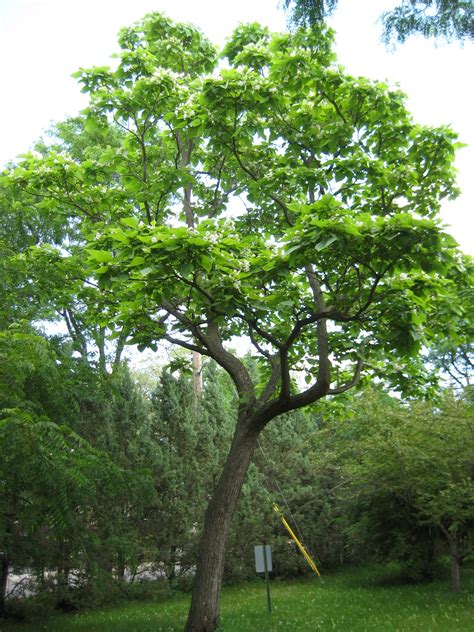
(206, 263)
(321, 245)
(131, 222)
(137, 261)
(103, 256)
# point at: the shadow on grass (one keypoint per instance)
(392, 576)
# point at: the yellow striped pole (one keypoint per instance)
(298, 543)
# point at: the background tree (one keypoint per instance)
(454, 356)
(183, 446)
(442, 19)
(73, 482)
(50, 476)
(38, 282)
(406, 479)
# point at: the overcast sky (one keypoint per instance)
(42, 42)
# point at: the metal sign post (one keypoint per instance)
(263, 564)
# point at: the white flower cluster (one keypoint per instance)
(167, 72)
(228, 223)
(62, 156)
(42, 168)
(189, 106)
(255, 47)
(234, 277)
(420, 275)
(213, 238)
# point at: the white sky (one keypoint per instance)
(42, 42)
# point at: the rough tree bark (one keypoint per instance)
(204, 612)
(455, 565)
(254, 415)
(457, 553)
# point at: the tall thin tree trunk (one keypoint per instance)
(185, 150)
(204, 613)
(121, 567)
(455, 566)
(4, 566)
(197, 376)
(171, 564)
(63, 570)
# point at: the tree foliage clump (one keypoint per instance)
(404, 480)
(72, 478)
(439, 19)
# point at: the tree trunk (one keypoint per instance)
(204, 613)
(171, 565)
(455, 566)
(121, 567)
(4, 565)
(62, 574)
(197, 377)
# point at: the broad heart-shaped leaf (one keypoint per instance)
(102, 256)
(131, 222)
(206, 263)
(321, 245)
(137, 261)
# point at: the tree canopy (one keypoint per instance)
(313, 201)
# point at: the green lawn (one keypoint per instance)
(349, 601)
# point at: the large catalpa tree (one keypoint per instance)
(267, 197)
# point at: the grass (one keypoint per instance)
(353, 600)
